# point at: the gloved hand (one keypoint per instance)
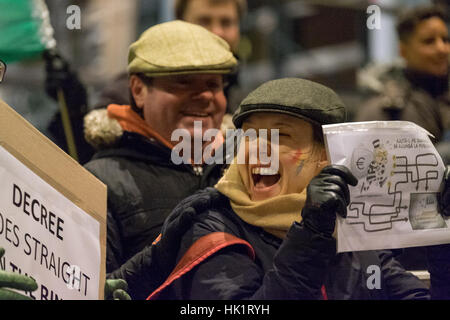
(115, 289)
(17, 281)
(59, 76)
(148, 269)
(327, 194)
(445, 195)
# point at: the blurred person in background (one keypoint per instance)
(221, 17)
(418, 91)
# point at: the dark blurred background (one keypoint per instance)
(325, 41)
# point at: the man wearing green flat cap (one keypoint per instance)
(176, 77)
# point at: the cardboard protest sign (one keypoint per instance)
(400, 175)
(52, 214)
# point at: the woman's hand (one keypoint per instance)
(327, 194)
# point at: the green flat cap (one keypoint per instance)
(179, 47)
(301, 98)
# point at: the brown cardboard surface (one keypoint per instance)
(56, 168)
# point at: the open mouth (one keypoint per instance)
(264, 177)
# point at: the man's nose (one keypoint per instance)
(204, 93)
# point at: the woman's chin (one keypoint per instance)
(264, 193)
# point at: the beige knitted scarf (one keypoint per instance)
(275, 215)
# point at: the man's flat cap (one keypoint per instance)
(301, 98)
(179, 47)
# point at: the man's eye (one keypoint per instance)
(215, 85)
(182, 82)
(204, 21)
(226, 23)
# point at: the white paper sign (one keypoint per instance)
(46, 236)
(400, 173)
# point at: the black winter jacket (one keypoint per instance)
(404, 94)
(295, 268)
(143, 187)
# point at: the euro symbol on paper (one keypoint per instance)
(2, 70)
(360, 163)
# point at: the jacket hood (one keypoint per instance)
(101, 131)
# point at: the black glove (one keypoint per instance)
(445, 195)
(327, 194)
(11, 280)
(59, 76)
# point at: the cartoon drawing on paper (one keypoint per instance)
(383, 180)
(400, 176)
(376, 171)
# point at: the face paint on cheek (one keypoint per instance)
(299, 167)
(296, 156)
(298, 159)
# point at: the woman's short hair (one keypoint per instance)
(408, 20)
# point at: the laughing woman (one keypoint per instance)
(268, 234)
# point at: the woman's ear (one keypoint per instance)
(138, 90)
(323, 160)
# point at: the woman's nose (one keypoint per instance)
(264, 146)
(443, 46)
